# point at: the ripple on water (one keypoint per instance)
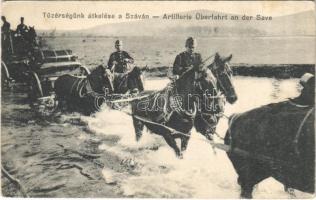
(201, 173)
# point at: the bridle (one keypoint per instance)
(227, 72)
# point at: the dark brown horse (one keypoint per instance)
(280, 142)
(212, 107)
(177, 105)
(82, 94)
(129, 82)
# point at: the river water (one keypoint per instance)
(147, 168)
(203, 173)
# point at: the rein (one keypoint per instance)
(221, 146)
(299, 131)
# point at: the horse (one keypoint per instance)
(129, 82)
(83, 93)
(279, 141)
(177, 105)
(31, 37)
(212, 108)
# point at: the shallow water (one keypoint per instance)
(202, 173)
(126, 168)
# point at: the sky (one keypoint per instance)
(33, 12)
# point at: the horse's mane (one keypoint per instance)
(96, 71)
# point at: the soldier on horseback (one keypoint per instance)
(5, 37)
(120, 64)
(206, 119)
(22, 29)
(21, 38)
(119, 59)
(187, 59)
(5, 29)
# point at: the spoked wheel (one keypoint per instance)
(35, 87)
(84, 71)
(43, 106)
(5, 76)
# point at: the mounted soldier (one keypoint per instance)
(5, 37)
(21, 38)
(206, 119)
(22, 29)
(187, 59)
(5, 29)
(125, 75)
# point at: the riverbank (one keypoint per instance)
(58, 157)
(281, 71)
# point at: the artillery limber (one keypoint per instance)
(44, 72)
(25, 63)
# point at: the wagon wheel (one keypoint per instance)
(35, 86)
(84, 70)
(5, 76)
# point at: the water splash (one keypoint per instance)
(201, 173)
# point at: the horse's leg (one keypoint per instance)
(290, 191)
(250, 173)
(138, 127)
(184, 142)
(172, 143)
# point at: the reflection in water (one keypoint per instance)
(276, 88)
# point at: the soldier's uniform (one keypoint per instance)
(119, 57)
(5, 29)
(122, 74)
(185, 60)
(21, 29)
(5, 37)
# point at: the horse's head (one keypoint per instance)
(223, 73)
(101, 80)
(195, 85)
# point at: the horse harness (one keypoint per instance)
(299, 131)
(175, 104)
(81, 88)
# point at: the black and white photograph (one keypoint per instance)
(158, 99)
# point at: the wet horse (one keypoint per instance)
(279, 140)
(212, 107)
(128, 82)
(177, 105)
(82, 94)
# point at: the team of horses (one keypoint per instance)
(276, 140)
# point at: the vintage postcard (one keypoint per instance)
(158, 99)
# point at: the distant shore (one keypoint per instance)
(281, 71)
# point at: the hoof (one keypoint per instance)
(179, 155)
(209, 136)
(246, 194)
(290, 191)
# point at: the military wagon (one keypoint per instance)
(37, 69)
